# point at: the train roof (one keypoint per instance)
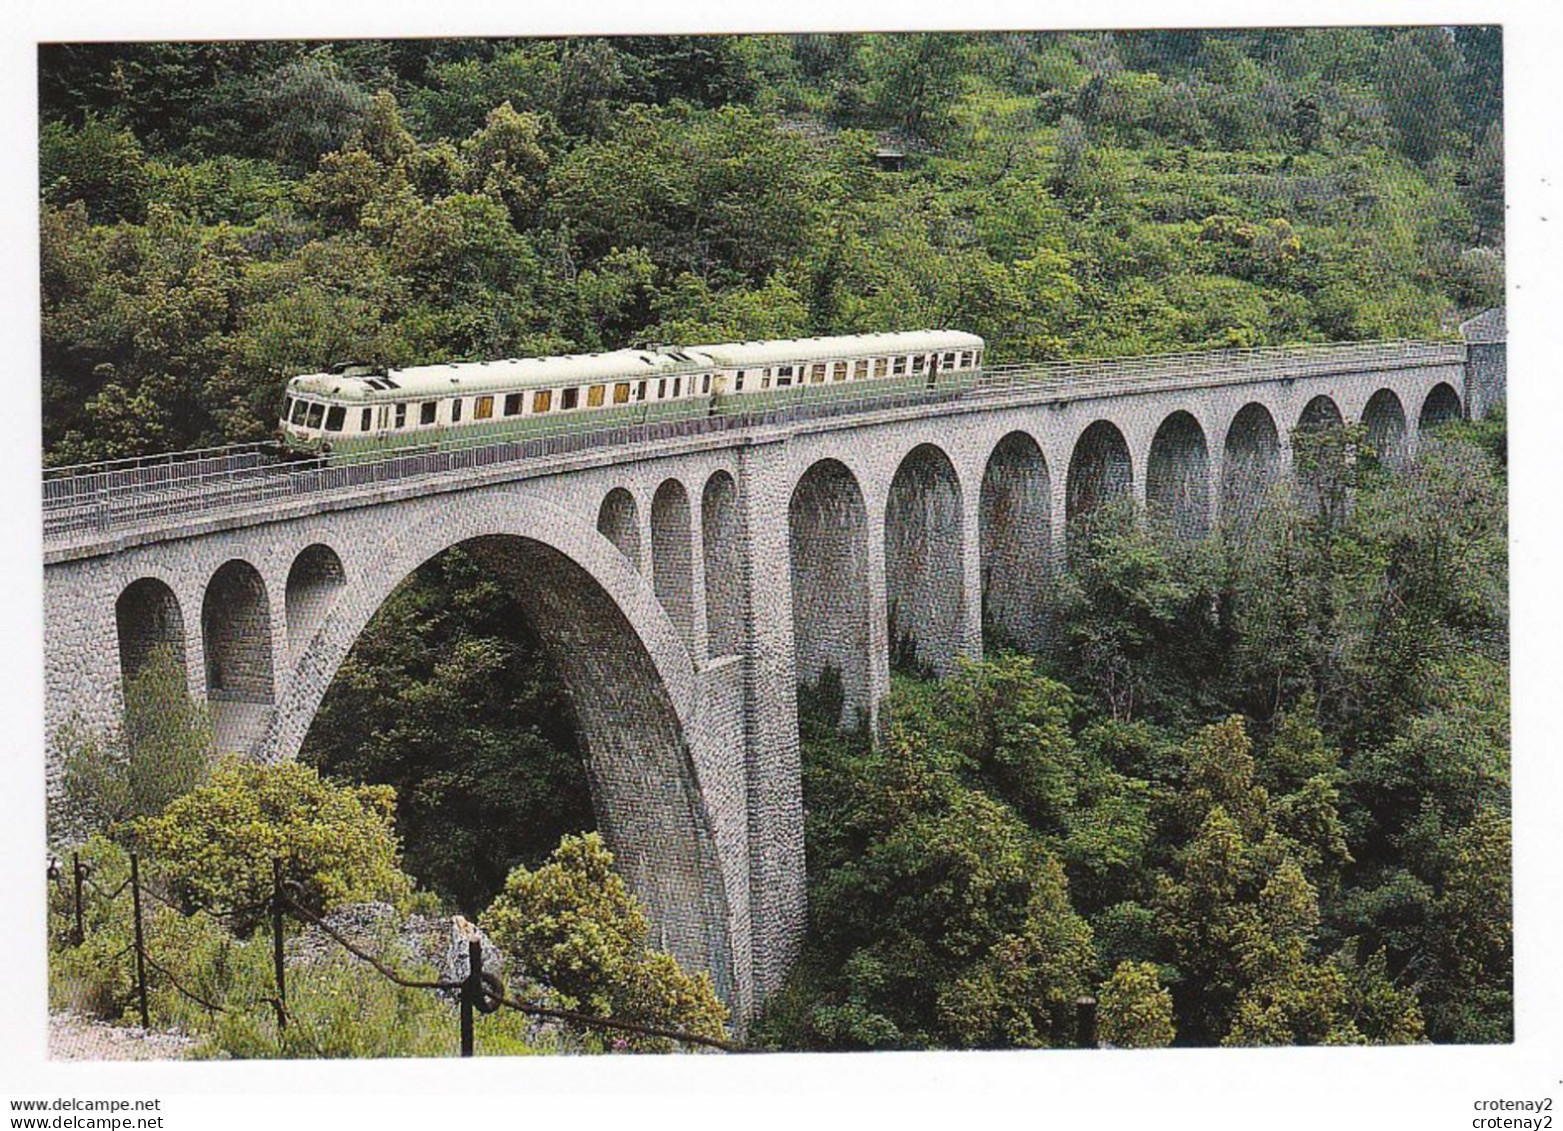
(485, 376)
(732, 354)
(362, 383)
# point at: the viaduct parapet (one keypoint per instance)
(685, 584)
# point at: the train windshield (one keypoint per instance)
(299, 408)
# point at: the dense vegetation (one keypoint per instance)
(219, 216)
(1255, 790)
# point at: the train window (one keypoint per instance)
(765, 380)
(881, 366)
(738, 382)
(949, 361)
(512, 404)
(838, 372)
(860, 369)
(705, 383)
(401, 415)
(640, 390)
(678, 386)
(335, 418)
(484, 409)
(364, 419)
(621, 393)
(918, 363)
(569, 399)
(455, 411)
(965, 359)
(594, 396)
(542, 400)
(662, 387)
(900, 366)
(316, 411)
(299, 409)
(817, 373)
(427, 411)
(287, 408)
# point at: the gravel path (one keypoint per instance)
(73, 1037)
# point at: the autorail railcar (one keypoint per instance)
(358, 412)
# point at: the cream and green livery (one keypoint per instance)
(358, 412)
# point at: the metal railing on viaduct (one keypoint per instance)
(103, 497)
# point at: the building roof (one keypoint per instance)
(1488, 326)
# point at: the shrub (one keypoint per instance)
(574, 925)
(97, 978)
(215, 846)
(1136, 1011)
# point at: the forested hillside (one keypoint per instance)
(219, 216)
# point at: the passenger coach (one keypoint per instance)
(357, 412)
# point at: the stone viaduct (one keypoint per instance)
(685, 588)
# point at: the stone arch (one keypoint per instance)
(619, 522)
(1440, 407)
(147, 617)
(1320, 471)
(723, 565)
(1100, 470)
(236, 634)
(1014, 520)
(314, 580)
(1251, 465)
(925, 598)
(672, 556)
(1385, 422)
(1320, 413)
(827, 526)
(1177, 477)
(631, 683)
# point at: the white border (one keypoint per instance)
(1302, 1088)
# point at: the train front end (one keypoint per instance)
(306, 411)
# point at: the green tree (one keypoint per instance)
(1135, 1011)
(214, 846)
(938, 917)
(913, 80)
(99, 164)
(574, 925)
(506, 161)
(310, 108)
(1138, 629)
(1418, 78)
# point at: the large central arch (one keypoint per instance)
(631, 683)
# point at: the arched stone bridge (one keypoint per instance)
(685, 588)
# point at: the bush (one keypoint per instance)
(1136, 1011)
(215, 846)
(97, 978)
(574, 925)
